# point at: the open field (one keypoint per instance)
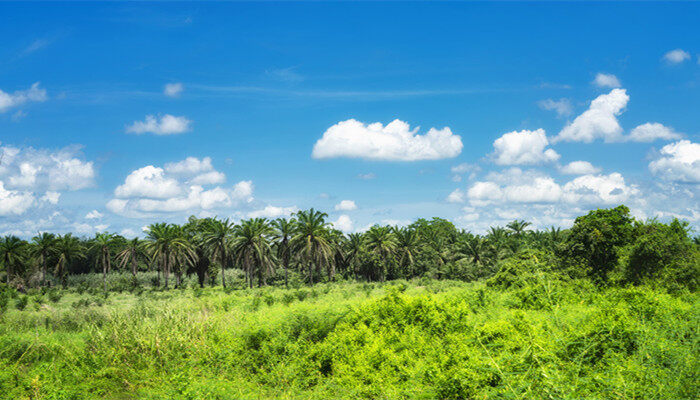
(420, 339)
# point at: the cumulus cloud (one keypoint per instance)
(51, 197)
(173, 89)
(579, 168)
(273, 212)
(346, 205)
(14, 202)
(676, 56)
(199, 172)
(599, 121)
(94, 214)
(148, 181)
(606, 81)
(394, 142)
(20, 97)
(598, 189)
(344, 223)
(562, 107)
(457, 196)
(367, 176)
(28, 174)
(177, 187)
(532, 187)
(652, 131)
(160, 125)
(523, 148)
(678, 162)
(40, 169)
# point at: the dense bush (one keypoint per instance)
(526, 335)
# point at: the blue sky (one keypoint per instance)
(116, 115)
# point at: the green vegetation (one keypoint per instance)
(606, 309)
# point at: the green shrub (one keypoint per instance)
(22, 302)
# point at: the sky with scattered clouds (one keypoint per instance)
(113, 116)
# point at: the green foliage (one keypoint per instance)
(663, 252)
(531, 335)
(595, 240)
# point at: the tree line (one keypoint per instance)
(601, 244)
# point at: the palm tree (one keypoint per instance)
(194, 229)
(68, 248)
(252, 249)
(218, 237)
(477, 250)
(12, 254)
(43, 246)
(497, 238)
(382, 242)
(407, 243)
(284, 229)
(102, 245)
(353, 246)
(517, 227)
(132, 252)
(310, 241)
(182, 253)
(168, 245)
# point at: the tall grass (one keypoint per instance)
(423, 340)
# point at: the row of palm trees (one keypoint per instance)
(305, 243)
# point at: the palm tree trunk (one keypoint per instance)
(43, 270)
(133, 264)
(104, 272)
(223, 266)
(311, 274)
(166, 269)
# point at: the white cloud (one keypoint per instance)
(367, 176)
(606, 81)
(94, 214)
(243, 191)
(344, 223)
(541, 190)
(14, 202)
(346, 205)
(393, 142)
(41, 169)
(148, 181)
(562, 107)
(177, 187)
(190, 166)
(676, 56)
(579, 168)
(523, 148)
(160, 125)
(196, 198)
(51, 197)
(209, 178)
(652, 131)
(599, 121)
(678, 162)
(482, 193)
(457, 196)
(598, 189)
(200, 172)
(19, 97)
(533, 187)
(273, 212)
(173, 89)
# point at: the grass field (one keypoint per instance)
(422, 339)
